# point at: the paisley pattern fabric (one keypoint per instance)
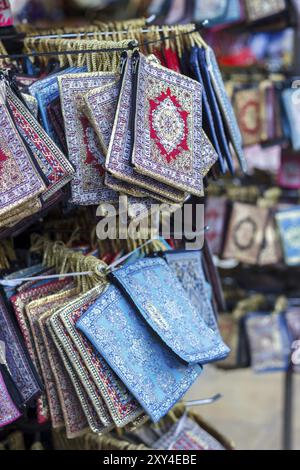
(149, 369)
(189, 270)
(168, 133)
(288, 222)
(19, 302)
(90, 398)
(84, 149)
(54, 165)
(8, 410)
(121, 404)
(166, 307)
(118, 159)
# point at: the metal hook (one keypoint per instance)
(203, 401)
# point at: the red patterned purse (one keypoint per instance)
(169, 144)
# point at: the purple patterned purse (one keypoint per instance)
(19, 363)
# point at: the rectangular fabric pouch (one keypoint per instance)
(101, 107)
(74, 417)
(188, 268)
(226, 108)
(63, 402)
(258, 9)
(246, 233)
(121, 404)
(151, 372)
(97, 400)
(291, 105)
(186, 434)
(33, 311)
(168, 128)
(19, 363)
(157, 294)
(19, 302)
(247, 108)
(85, 152)
(271, 252)
(19, 179)
(215, 218)
(289, 173)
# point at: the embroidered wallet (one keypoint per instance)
(163, 303)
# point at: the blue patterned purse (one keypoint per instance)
(189, 270)
(164, 304)
(152, 373)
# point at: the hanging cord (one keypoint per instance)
(130, 45)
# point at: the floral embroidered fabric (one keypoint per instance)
(54, 165)
(167, 309)
(118, 160)
(168, 132)
(69, 375)
(8, 410)
(83, 146)
(19, 363)
(46, 91)
(34, 311)
(19, 302)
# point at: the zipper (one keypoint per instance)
(123, 62)
(135, 61)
